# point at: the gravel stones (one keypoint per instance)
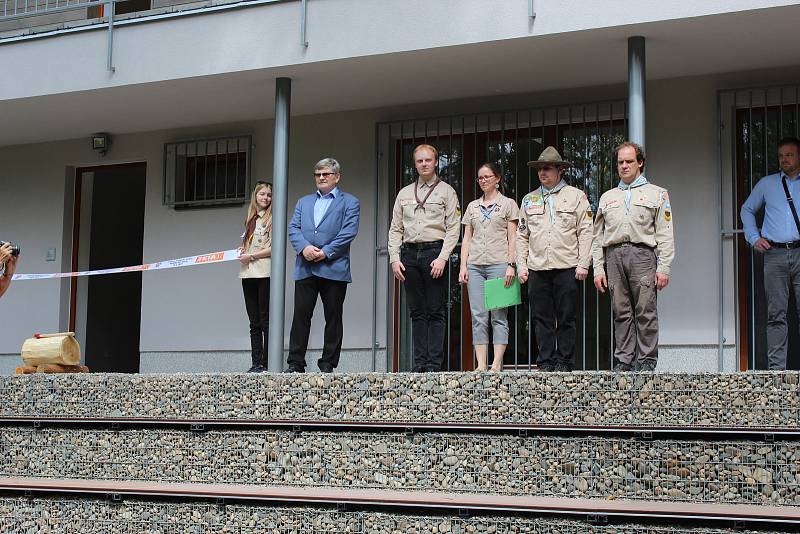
(76, 516)
(741, 400)
(696, 471)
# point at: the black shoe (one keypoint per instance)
(623, 367)
(325, 368)
(546, 367)
(294, 369)
(648, 366)
(257, 368)
(563, 368)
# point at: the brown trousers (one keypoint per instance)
(631, 271)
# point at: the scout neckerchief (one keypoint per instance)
(421, 203)
(248, 233)
(547, 195)
(638, 182)
(487, 210)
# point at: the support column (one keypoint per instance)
(280, 200)
(636, 89)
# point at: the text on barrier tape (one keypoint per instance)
(211, 257)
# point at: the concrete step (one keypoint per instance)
(82, 515)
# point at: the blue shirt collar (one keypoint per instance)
(333, 194)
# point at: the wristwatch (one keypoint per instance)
(512, 264)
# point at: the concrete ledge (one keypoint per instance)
(89, 515)
(350, 361)
(764, 400)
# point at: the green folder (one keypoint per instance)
(497, 295)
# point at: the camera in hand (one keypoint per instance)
(14, 248)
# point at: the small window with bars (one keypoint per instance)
(207, 172)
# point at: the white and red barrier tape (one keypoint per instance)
(200, 259)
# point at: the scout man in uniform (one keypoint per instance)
(554, 249)
(423, 233)
(633, 251)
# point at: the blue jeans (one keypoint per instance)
(478, 274)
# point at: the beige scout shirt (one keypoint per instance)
(437, 221)
(564, 244)
(262, 240)
(489, 243)
(649, 222)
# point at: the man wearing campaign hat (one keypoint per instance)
(554, 250)
(633, 252)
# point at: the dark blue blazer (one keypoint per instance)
(335, 232)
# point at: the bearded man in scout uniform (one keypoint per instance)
(554, 250)
(424, 231)
(633, 252)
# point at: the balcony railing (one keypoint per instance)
(28, 19)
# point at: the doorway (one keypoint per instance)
(760, 118)
(105, 310)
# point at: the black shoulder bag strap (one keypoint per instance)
(791, 204)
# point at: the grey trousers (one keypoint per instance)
(478, 274)
(631, 271)
(781, 274)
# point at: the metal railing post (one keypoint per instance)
(280, 200)
(110, 8)
(636, 89)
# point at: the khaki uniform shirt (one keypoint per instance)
(438, 220)
(567, 243)
(262, 240)
(649, 222)
(489, 243)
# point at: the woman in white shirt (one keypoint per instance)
(487, 252)
(254, 255)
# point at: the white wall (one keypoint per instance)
(201, 308)
(198, 308)
(268, 36)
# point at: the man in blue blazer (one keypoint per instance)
(322, 228)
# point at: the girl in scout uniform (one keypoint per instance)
(487, 252)
(254, 255)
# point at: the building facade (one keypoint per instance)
(187, 94)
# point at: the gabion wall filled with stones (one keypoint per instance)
(721, 472)
(739, 400)
(75, 516)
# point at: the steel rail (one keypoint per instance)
(646, 432)
(390, 499)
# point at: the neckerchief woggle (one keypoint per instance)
(638, 182)
(547, 195)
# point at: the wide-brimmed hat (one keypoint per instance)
(549, 158)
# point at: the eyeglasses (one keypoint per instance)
(323, 174)
(485, 178)
(262, 182)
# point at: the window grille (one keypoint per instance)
(207, 172)
(585, 134)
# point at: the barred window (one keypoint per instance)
(207, 172)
